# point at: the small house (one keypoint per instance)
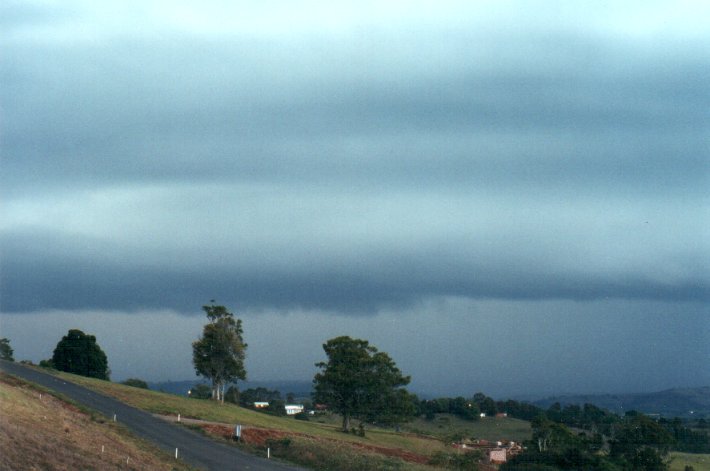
(497, 456)
(293, 409)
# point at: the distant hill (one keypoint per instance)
(300, 389)
(685, 402)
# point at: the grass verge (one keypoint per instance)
(699, 462)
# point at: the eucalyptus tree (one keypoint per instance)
(219, 353)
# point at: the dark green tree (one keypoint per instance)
(485, 404)
(79, 353)
(6, 350)
(219, 354)
(248, 397)
(359, 382)
(200, 391)
(232, 395)
(641, 443)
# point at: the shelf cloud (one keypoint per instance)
(352, 157)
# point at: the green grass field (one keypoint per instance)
(170, 404)
(446, 426)
(697, 461)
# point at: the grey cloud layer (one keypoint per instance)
(184, 108)
(351, 172)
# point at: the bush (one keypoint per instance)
(79, 353)
(136, 383)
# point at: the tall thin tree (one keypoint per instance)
(219, 353)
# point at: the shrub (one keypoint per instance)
(136, 383)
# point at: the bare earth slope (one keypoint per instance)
(41, 432)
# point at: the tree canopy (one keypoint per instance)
(79, 353)
(360, 382)
(219, 353)
(6, 350)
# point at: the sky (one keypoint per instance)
(507, 197)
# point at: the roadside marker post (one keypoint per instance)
(176, 453)
(178, 417)
(238, 432)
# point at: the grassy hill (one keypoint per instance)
(318, 443)
(50, 434)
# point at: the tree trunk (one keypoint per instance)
(215, 390)
(346, 422)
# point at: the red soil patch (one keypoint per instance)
(259, 437)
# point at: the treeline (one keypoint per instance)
(585, 417)
(686, 439)
(595, 425)
(637, 443)
(633, 442)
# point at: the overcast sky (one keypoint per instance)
(507, 197)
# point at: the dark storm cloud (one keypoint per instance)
(46, 272)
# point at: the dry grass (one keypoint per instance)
(48, 434)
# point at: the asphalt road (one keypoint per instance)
(194, 449)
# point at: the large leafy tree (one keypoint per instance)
(6, 350)
(641, 442)
(219, 354)
(79, 353)
(360, 382)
